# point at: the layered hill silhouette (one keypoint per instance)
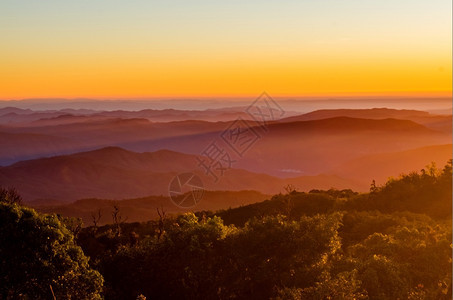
(373, 113)
(144, 209)
(310, 147)
(379, 167)
(67, 155)
(285, 149)
(437, 122)
(114, 173)
(17, 116)
(89, 133)
(20, 146)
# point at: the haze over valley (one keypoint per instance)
(56, 157)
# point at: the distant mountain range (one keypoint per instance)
(437, 122)
(114, 173)
(74, 154)
(302, 105)
(17, 116)
(70, 134)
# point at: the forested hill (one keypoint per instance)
(426, 192)
(394, 242)
(391, 243)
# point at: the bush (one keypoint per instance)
(38, 257)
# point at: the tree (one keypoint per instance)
(96, 217)
(414, 259)
(184, 263)
(275, 253)
(117, 220)
(10, 196)
(373, 188)
(74, 225)
(39, 258)
(426, 192)
(160, 227)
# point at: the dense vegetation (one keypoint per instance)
(39, 258)
(391, 243)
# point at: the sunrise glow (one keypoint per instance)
(143, 49)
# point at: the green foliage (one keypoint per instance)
(181, 264)
(345, 286)
(294, 205)
(206, 259)
(37, 254)
(427, 192)
(273, 252)
(392, 243)
(410, 256)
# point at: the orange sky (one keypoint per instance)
(163, 51)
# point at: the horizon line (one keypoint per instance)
(329, 96)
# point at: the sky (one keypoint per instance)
(110, 49)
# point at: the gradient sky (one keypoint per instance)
(140, 49)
